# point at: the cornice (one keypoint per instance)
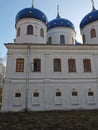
(24, 46)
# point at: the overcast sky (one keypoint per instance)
(73, 10)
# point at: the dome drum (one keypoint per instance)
(29, 31)
(89, 27)
(61, 35)
(61, 31)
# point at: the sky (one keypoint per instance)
(73, 10)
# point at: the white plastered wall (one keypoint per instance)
(35, 38)
(56, 32)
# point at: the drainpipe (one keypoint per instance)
(27, 76)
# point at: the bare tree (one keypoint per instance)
(2, 68)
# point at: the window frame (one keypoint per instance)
(37, 65)
(49, 41)
(72, 65)
(41, 32)
(91, 97)
(18, 32)
(83, 38)
(87, 65)
(72, 40)
(20, 65)
(93, 33)
(62, 39)
(57, 64)
(90, 93)
(30, 30)
(58, 97)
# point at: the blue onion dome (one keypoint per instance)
(89, 18)
(60, 22)
(31, 13)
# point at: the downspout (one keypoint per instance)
(27, 76)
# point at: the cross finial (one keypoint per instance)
(32, 3)
(58, 11)
(93, 6)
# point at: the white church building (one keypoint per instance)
(47, 69)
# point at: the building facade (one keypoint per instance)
(46, 68)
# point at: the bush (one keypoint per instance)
(50, 120)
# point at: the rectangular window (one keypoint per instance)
(74, 93)
(36, 94)
(72, 65)
(20, 65)
(17, 95)
(87, 65)
(37, 65)
(58, 93)
(57, 65)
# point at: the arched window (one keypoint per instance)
(87, 65)
(36, 98)
(84, 39)
(90, 97)
(62, 39)
(17, 98)
(37, 65)
(72, 40)
(18, 32)
(93, 33)
(41, 32)
(49, 40)
(58, 97)
(74, 97)
(72, 65)
(57, 65)
(29, 30)
(20, 65)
